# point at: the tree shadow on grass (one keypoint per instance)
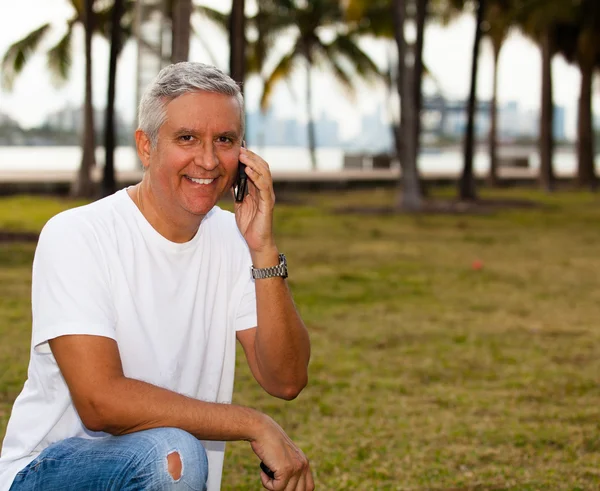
(12, 237)
(449, 207)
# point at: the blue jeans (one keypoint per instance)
(129, 462)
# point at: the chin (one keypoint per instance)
(201, 208)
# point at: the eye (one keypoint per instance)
(224, 139)
(185, 138)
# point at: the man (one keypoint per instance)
(137, 300)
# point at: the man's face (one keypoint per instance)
(196, 158)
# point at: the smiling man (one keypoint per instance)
(137, 302)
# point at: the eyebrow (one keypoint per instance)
(185, 131)
(191, 131)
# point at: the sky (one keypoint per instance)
(447, 53)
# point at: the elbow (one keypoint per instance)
(291, 391)
(95, 416)
(92, 421)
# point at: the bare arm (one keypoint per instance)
(108, 401)
(278, 351)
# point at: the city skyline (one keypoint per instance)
(442, 120)
(519, 75)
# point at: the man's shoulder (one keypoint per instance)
(83, 220)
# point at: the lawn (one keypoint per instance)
(426, 373)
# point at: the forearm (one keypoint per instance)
(282, 345)
(129, 405)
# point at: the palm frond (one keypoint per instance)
(283, 70)
(59, 58)
(18, 54)
(218, 18)
(345, 46)
(343, 77)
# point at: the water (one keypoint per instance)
(280, 159)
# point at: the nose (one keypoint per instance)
(206, 157)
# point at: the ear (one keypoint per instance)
(142, 143)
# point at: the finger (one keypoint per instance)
(267, 482)
(310, 482)
(255, 162)
(292, 484)
(260, 176)
(263, 186)
(301, 484)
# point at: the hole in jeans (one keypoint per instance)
(174, 465)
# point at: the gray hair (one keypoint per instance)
(179, 79)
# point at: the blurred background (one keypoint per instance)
(499, 86)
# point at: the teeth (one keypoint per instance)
(200, 181)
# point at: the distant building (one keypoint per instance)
(71, 120)
(512, 122)
(327, 132)
(266, 129)
(375, 135)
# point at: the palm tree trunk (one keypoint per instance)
(237, 42)
(390, 90)
(418, 72)
(586, 172)
(84, 186)
(547, 117)
(466, 183)
(310, 123)
(180, 40)
(109, 185)
(409, 197)
(493, 139)
(421, 8)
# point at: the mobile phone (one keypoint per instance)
(240, 186)
(267, 471)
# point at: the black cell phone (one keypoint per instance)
(267, 471)
(240, 186)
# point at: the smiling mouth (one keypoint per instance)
(199, 181)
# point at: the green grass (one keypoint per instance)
(425, 373)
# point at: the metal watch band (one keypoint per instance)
(273, 271)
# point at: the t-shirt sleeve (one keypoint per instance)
(70, 283)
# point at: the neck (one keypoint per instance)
(172, 228)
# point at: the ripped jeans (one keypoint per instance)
(157, 459)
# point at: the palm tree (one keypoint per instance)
(237, 42)
(499, 19)
(466, 183)
(373, 17)
(305, 21)
(180, 13)
(537, 19)
(83, 185)
(409, 89)
(116, 43)
(579, 41)
(446, 10)
(59, 63)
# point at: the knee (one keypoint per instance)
(174, 465)
(180, 458)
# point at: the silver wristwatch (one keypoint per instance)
(279, 270)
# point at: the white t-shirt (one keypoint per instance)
(173, 309)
